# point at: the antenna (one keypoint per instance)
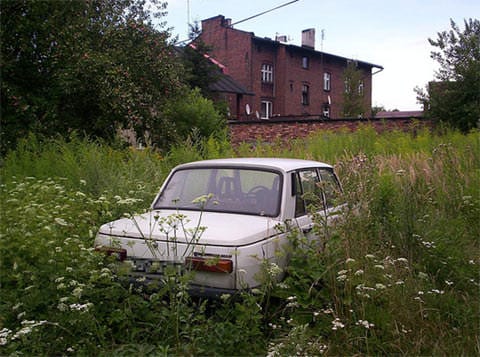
(188, 16)
(323, 37)
(264, 12)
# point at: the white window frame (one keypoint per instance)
(361, 88)
(305, 62)
(305, 94)
(326, 111)
(327, 81)
(267, 73)
(266, 109)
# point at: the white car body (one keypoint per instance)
(227, 234)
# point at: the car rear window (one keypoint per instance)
(224, 189)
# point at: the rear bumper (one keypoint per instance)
(193, 290)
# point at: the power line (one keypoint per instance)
(264, 12)
(231, 25)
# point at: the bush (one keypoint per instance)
(398, 275)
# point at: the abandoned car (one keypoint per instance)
(222, 219)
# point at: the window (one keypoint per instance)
(267, 73)
(327, 82)
(307, 191)
(360, 88)
(266, 109)
(315, 188)
(330, 187)
(305, 94)
(326, 111)
(234, 190)
(347, 86)
(305, 62)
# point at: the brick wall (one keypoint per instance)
(288, 128)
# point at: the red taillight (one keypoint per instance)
(210, 264)
(119, 253)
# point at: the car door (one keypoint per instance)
(316, 193)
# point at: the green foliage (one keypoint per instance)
(195, 114)
(398, 275)
(87, 66)
(200, 71)
(353, 95)
(455, 98)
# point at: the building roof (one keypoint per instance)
(400, 114)
(311, 50)
(227, 84)
(224, 83)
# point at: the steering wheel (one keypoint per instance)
(255, 190)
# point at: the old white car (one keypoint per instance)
(223, 219)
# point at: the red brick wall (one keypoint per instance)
(288, 129)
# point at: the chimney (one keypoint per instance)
(308, 38)
(281, 38)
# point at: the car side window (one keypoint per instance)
(307, 191)
(329, 186)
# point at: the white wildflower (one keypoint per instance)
(77, 292)
(336, 324)
(61, 222)
(364, 323)
(4, 336)
(81, 307)
(423, 275)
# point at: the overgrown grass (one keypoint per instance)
(399, 275)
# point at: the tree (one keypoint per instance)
(85, 65)
(353, 95)
(194, 113)
(377, 109)
(200, 71)
(454, 97)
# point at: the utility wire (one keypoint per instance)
(263, 13)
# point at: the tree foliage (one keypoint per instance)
(196, 114)
(85, 65)
(454, 97)
(353, 95)
(200, 71)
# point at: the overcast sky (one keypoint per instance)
(393, 34)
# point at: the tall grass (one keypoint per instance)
(398, 275)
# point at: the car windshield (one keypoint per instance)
(232, 190)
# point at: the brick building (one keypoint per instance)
(280, 79)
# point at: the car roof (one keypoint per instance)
(283, 164)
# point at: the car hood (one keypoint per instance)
(223, 229)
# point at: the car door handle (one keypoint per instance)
(307, 229)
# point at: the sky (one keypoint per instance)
(392, 34)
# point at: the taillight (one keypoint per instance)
(119, 253)
(210, 264)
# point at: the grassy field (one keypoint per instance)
(400, 276)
